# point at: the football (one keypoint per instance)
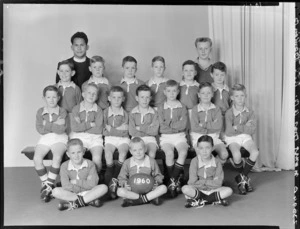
(141, 183)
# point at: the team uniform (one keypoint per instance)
(203, 75)
(221, 97)
(90, 136)
(211, 120)
(130, 92)
(147, 122)
(157, 91)
(81, 68)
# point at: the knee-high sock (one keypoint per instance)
(42, 173)
(53, 172)
(178, 168)
(239, 167)
(117, 169)
(248, 166)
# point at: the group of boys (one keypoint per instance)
(133, 116)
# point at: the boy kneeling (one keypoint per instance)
(79, 180)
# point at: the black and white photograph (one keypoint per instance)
(124, 114)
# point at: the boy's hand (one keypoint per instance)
(60, 121)
(92, 124)
(127, 186)
(77, 119)
(235, 127)
(249, 123)
(73, 181)
(123, 127)
(44, 122)
(108, 127)
(138, 128)
(155, 185)
(201, 124)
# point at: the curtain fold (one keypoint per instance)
(256, 44)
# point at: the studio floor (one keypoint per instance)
(271, 204)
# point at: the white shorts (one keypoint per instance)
(89, 140)
(173, 139)
(116, 141)
(53, 138)
(239, 139)
(149, 139)
(196, 136)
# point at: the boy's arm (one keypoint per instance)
(99, 123)
(75, 126)
(164, 125)
(78, 96)
(195, 127)
(193, 177)
(152, 128)
(229, 130)
(92, 179)
(121, 133)
(217, 121)
(124, 174)
(158, 177)
(132, 128)
(40, 127)
(65, 180)
(180, 125)
(218, 178)
(249, 127)
(55, 128)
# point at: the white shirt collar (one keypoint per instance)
(195, 83)
(79, 60)
(152, 81)
(177, 105)
(201, 108)
(211, 163)
(111, 113)
(55, 111)
(134, 80)
(82, 107)
(95, 80)
(236, 112)
(136, 110)
(83, 165)
(146, 162)
(71, 84)
(225, 87)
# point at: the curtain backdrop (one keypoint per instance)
(257, 45)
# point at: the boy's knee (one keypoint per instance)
(55, 192)
(121, 192)
(185, 189)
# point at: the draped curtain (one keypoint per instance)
(257, 44)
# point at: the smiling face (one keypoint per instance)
(204, 150)
(205, 94)
(116, 98)
(189, 72)
(129, 69)
(79, 48)
(171, 92)
(158, 68)
(65, 73)
(203, 50)
(143, 98)
(90, 94)
(97, 69)
(218, 76)
(138, 150)
(51, 98)
(75, 153)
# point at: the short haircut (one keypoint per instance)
(95, 59)
(85, 86)
(172, 83)
(205, 84)
(143, 87)
(189, 62)
(116, 89)
(50, 88)
(237, 87)
(136, 140)
(203, 39)
(206, 138)
(128, 59)
(80, 35)
(158, 58)
(66, 62)
(220, 66)
(73, 142)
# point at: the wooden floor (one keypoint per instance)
(271, 204)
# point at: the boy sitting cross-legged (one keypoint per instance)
(79, 180)
(140, 163)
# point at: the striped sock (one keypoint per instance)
(80, 201)
(42, 173)
(239, 166)
(215, 196)
(178, 168)
(170, 170)
(141, 200)
(53, 172)
(199, 195)
(109, 173)
(248, 166)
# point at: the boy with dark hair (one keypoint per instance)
(80, 61)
